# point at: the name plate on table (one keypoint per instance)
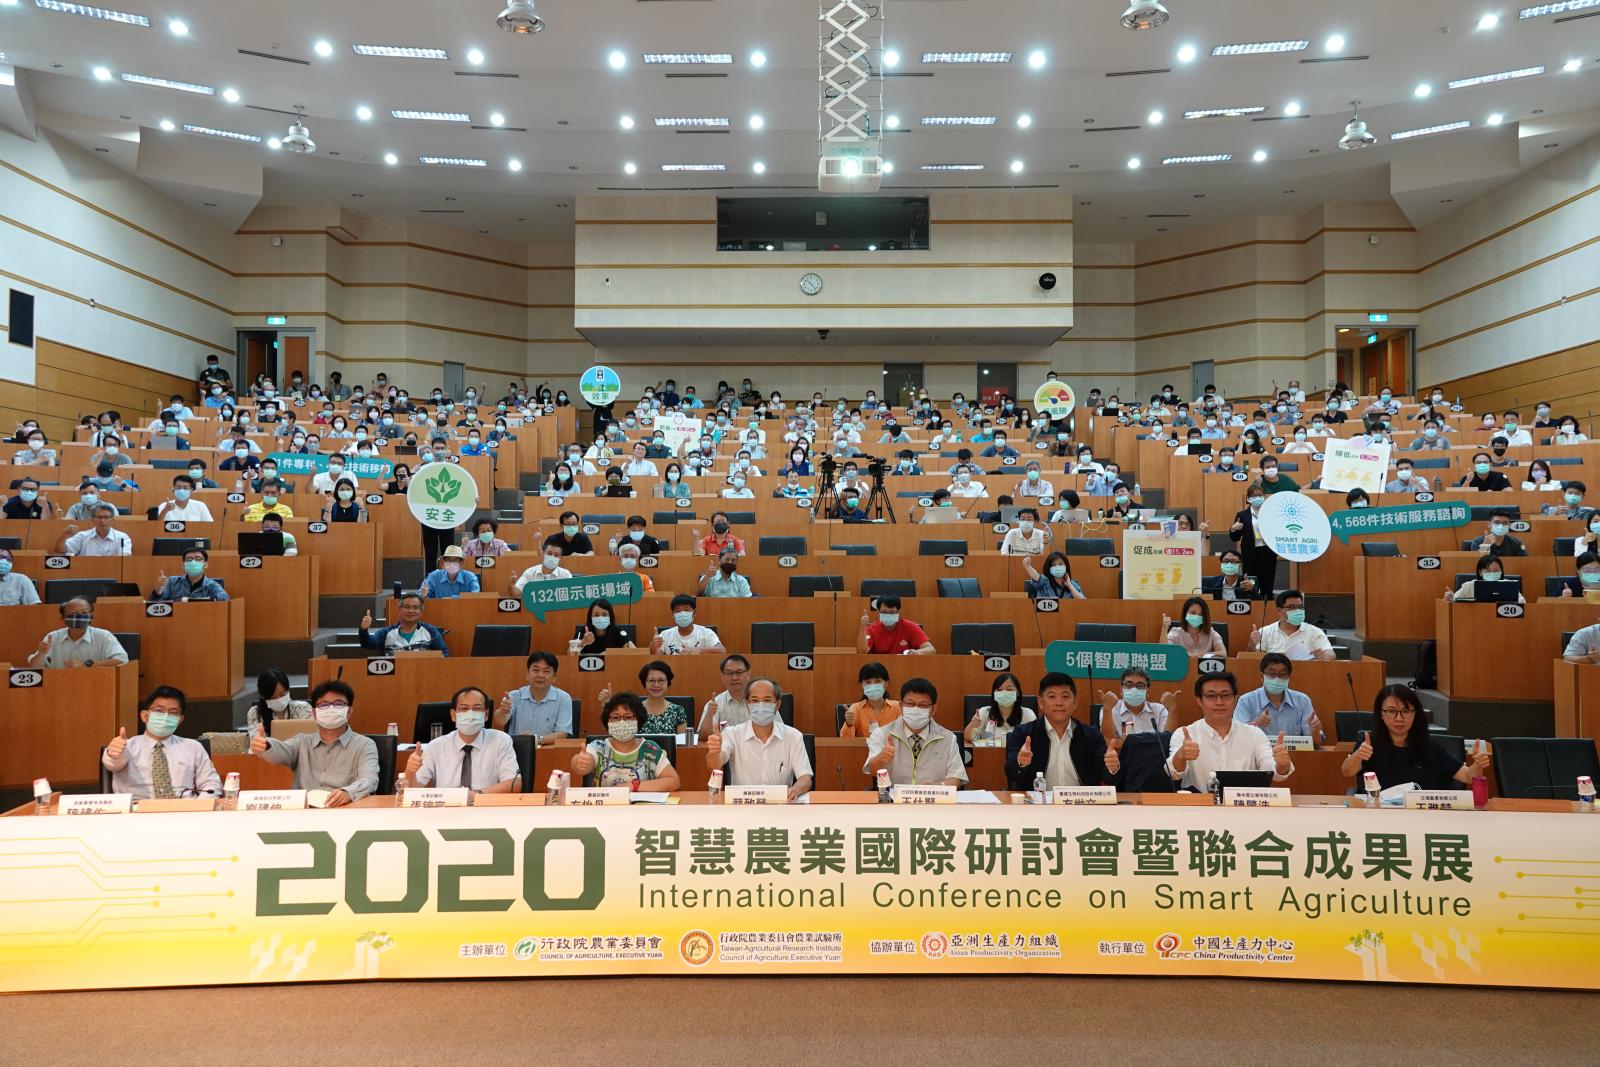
(1439, 799)
(507, 800)
(95, 804)
(1255, 798)
(924, 794)
(1083, 795)
(756, 794)
(176, 804)
(418, 797)
(596, 798)
(272, 800)
(1299, 743)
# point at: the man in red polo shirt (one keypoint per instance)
(891, 635)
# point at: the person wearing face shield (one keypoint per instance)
(334, 757)
(763, 750)
(158, 763)
(471, 756)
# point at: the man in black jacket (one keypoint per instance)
(1089, 761)
(1260, 562)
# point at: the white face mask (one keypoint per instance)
(916, 718)
(279, 703)
(333, 716)
(469, 723)
(551, 562)
(764, 713)
(622, 730)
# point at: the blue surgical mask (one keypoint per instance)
(1275, 686)
(194, 568)
(889, 619)
(162, 724)
(763, 713)
(469, 723)
(1134, 696)
(684, 619)
(1296, 616)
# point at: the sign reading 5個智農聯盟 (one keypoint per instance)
(442, 495)
(1080, 659)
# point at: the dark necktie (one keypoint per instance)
(160, 773)
(916, 746)
(466, 766)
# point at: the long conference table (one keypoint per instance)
(510, 887)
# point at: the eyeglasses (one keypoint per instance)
(341, 706)
(915, 707)
(1399, 713)
(1216, 697)
(735, 671)
(473, 707)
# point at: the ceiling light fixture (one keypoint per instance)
(1173, 161)
(675, 167)
(519, 16)
(758, 59)
(178, 28)
(679, 59)
(231, 95)
(694, 121)
(618, 59)
(1156, 118)
(958, 120)
(951, 166)
(298, 139)
(391, 159)
(1334, 44)
(626, 122)
(165, 83)
(431, 116)
(497, 119)
(323, 49)
(230, 135)
(891, 58)
(364, 113)
(274, 144)
(630, 168)
(1037, 59)
(1503, 76)
(397, 51)
(475, 56)
(1145, 15)
(1356, 134)
(1489, 21)
(1292, 108)
(1423, 91)
(168, 125)
(92, 12)
(451, 161)
(891, 122)
(1495, 119)
(1260, 156)
(102, 74)
(514, 165)
(1024, 121)
(1223, 112)
(1260, 48)
(1572, 66)
(1428, 131)
(886, 167)
(1135, 163)
(758, 167)
(757, 122)
(1016, 166)
(1187, 53)
(966, 57)
(1540, 10)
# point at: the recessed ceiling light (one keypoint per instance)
(618, 59)
(887, 167)
(1423, 91)
(874, 248)
(1502, 76)
(178, 28)
(398, 51)
(230, 135)
(1223, 112)
(92, 12)
(1260, 156)
(497, 119)
(951, 166)
(1496, 119)
(1406, 135)
(514, 165)
(756, 122)
(1024, 121)
(1539, 10)
(891, 58)
(390, 158)
(759, 167)
(364, 113)
(891, 122)
(475, 56)
(431, 116)
(1257, 48)
(1334, 43)
(1489, 21)
(274, 144)
(958, 120)
(1016, 166)
(1572, 65)
(684, 58)
(102, 74)
(626, 122)
(1292, 108)
(323, 49)
(629, 168)
(758, 59)
(167, 124)
(694, 121)
(1172, 161)
(1156, 118)
(1187, 53)
(966, 57)
(451, 161)
(165, 83)
(231, 95)
(693, 166)
(1037, 59)
(1135, 163)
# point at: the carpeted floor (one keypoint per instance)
(825, 1022)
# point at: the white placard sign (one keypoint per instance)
(272, 800)
(1083, 795)
(1295, 527)
(1299, 743)
(96, 804)
(1439, 799)
(596, 798)
(756, 794)
(676, 429)
(1255, 798)
(420, 797)
(1355, 464)
(924, 794)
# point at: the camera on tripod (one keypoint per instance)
(876, 466)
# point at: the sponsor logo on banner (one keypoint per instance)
(525, 948)
(696, 948)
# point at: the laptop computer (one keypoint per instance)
(261, 543)
(1505, 591)
(1225, 779)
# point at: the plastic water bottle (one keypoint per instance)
(400, 788)
(394, 729)
(1042, 788)
(1369, 782)
(230, 792)
(1585, 794)
(885, 788)
(714, 786)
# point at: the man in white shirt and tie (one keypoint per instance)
(1219, 742)
(158, 763)
(470, 755)
(764, 750)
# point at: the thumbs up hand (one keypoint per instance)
(584, 762)
(655, 645)
(1166, 623)
(1363, 751)
(1480, 760)
(258, 743)
(1025, 753)
(1169, 698)
(1263, 719)
(605, 695)
(118, 743)
(886, 757)
(414, 761)
(1108, 700)
(1280, 754)
(714, 751)
(1113, 760)
(366, 620)
(1189, 750)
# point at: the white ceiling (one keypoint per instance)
(563, 106)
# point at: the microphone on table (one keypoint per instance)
(1350, 680)
(339, 677)
(838, 769)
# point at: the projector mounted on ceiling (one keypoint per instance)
(298, 139)
(519, 17)
(1145, 15)
(1356, 134)
(849, 174)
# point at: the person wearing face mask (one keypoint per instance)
(547, 569)
(157, 763)
(623, 759)
(1291, 634)
(1002, 714)
(1484, 477)
(599, 633)
(102, 539)
(1033, 484)
(409, 634)
(560, 481)
(1569, 433)
(656, 447)
(271, 503)
(401, 481)
(1233, 583)
(964, 486)
(639, 466)
(471, 756)
(452, 578)
(685, 636)
(1275, 708)
(1001, 449)
(1027, 538)
(333, 758)
(1514, 432)
(1573, 507)
(324, 481)
(274, 702)
(1056, 583)
(1226, 463)
(1489, 569)
(485, 540)
(570, 539)
(31, 503)
(343, 505)
(763, 750)
(1130, 709)
(723, 580)
(77, 643)
(720, 537)
(1588, 541)
(1300, 444)
(913, 748)
(889, 634)
(798, 463)
(1260, 562)
(738, 487)
(875, 709)
(1497, 539)
(1193, 631)
(1123, 505)
(1067, 751)
(15, 588)
(36, 454)
(192, 584)
(1273, 480)
(1430, 439)
(1405, 480)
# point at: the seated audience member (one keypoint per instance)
(343, 506)
(1194, 632)
(1219, 742)
(470, 756)
(410, 634)
(547, 569)
(450, 579)
(1430, 439)
(183, 507)
(1405, 480)
(639, 536)
(540, 708)
(1069, 753)
(270, 503)
(102, 539)
(913, 748)
(1027, 538)
(731, 705)
(1572, 492)
(623, 759)
(628, 557)
(485, 540)
(849, 510)
(1273, 481)
(1068, 503)
(158, 763)
(1484, 477)
(30, 503)
(570, 539)
(1400, 750)
(1276, 708)
(1232, 583)
(763, 750)
(1497, 541)
(685, 636)
(110, 452)
(273, 523)
(77, 643)
(1033, 483)
(719, 538)
(1291, 634)
(1539, 479)
(1589, 542)
(1056, 583)
(36, 454)
(273, 701)
(875, 708)
(1003, 713)
(1584, 647)
(1133, 712)
(333, 757)
(723, 580)
(664, 716)
(15, 587)
(1489, 569)
(599, 632)
(193, 583)
(965, 486)
(889, 634)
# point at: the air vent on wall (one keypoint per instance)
(694, 74)
(1137, 73)
(1109, 129)
(269, 55)
(1336, 59)
(1166, 216)
(500, 129)
(484, 74)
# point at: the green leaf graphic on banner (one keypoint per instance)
(442, 488)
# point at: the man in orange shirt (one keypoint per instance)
(718, 539)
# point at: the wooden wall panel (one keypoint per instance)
(72, 382)
(1569, 380)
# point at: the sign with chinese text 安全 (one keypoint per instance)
(442, 495)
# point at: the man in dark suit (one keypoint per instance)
(1028, 748)
(1260, 562)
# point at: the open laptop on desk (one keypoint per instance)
(259, 543)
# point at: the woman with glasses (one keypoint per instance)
(1400, 749)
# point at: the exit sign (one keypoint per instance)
(277, 320)
(1372, 338)
(1377, 316)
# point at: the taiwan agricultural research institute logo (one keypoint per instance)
(524, 949)
(935, 945)
(696, 948)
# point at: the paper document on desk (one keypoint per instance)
(649, 798)
(976, 796)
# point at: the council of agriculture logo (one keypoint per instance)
(935, 945)
(696, 948)
(524, 949)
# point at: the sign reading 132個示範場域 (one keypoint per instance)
(442, 495)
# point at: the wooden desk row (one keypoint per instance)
(55, 729)
(1484, 655)
(1395, 597)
